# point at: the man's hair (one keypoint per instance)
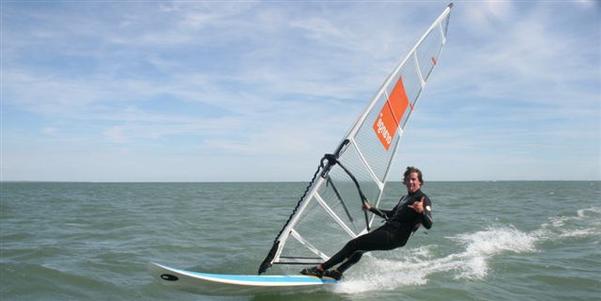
(411, 169)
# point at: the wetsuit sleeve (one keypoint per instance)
(427, 215)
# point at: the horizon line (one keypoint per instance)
(250, 182)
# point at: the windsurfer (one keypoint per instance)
(412, 210)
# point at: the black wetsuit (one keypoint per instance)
(401, 222)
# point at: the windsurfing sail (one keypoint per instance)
(329, 213)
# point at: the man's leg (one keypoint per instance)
(350, 261)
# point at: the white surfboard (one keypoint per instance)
(225, 284)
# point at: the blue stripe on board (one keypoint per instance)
(266, 278)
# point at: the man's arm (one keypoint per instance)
(385, 214)
(427, 214)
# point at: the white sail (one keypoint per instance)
(329, 213)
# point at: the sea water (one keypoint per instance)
(489, 241)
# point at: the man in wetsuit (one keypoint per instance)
(412, 210)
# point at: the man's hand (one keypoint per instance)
(418, 206)
(367, 206)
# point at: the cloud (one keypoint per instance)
(50, 131)
(115, 134)
(485, 16)
(524, 62)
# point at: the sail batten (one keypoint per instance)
(329, 214)
(311, 247)
(422, 81)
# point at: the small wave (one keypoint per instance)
(589, 212)
(585, 223)
(578, 233)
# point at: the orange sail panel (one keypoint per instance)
(389, 118)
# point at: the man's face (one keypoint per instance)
(412, 182)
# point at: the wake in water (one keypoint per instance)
(412, 267)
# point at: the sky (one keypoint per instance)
(259, 90)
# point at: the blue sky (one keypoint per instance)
(259, 91)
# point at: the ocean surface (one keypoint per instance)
(490, 241)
